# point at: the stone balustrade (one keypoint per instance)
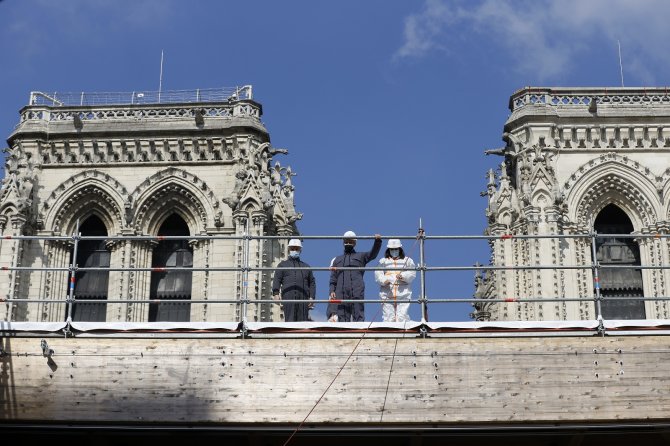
(583, 97)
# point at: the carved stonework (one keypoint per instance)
(133, 166)
(570, 153)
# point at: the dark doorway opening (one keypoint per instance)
(619, 286)
(91, 285)
(171, 285)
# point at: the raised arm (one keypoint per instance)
(374, 252)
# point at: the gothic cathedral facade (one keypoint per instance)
(137, 170)
(580, 162)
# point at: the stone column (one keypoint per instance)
(652, 279)
(54, 288)
(10, 255)
(260, 279)
(6, 256)
(222, 285)
(240, 219)
(139, 282)
(584, 255)
(665, 260)
(116, 312)
(570, 279)
(200, 280)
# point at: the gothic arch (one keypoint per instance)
(612, 179)
(663, 187)
(10, 204)
(250, 204)
(541, 197)
(8, 210)
(173, 191)
(87, 193)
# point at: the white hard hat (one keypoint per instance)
(394, 243)
(350, 234)
(295, 242)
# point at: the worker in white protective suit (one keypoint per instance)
(395, 282)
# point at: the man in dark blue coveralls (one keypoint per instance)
(349, 284)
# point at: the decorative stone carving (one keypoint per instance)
(566, 158)
(133, 167)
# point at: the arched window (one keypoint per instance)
(91, 284)
(171, 284)
(617, 286)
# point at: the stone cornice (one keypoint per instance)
(196, 119)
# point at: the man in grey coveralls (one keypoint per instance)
(294, 284)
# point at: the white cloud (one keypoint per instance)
(422, 30)
(544, 37)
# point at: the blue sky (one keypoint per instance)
(386, 107)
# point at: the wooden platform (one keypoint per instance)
(386, 382)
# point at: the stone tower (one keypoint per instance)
(579, 161)
(189, 163)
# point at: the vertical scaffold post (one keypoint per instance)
(596, 283)
(422, 269)
(12, 284)
(73, 274)
(245, 277)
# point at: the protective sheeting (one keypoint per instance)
(333, 326)
(154, 326)
(513, 325)
(48, 327)
(637, 323)
(7, 328)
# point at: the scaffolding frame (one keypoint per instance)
(421, 268)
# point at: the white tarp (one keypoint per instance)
(330, 326)
(154, 326)
(510, 325)
(31, 326)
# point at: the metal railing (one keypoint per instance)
(421, 268)
(65, 99)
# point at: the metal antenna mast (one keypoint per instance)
(620, 64)
(160, 80)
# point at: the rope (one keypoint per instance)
(388, 382)
(297, 429)
(333, 381)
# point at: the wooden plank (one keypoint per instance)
(445, 380)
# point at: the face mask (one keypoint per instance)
(294, 254)
(394, 252)
(348, 248)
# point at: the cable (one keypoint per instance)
(333, 381)
(297, 429)
(388, 382)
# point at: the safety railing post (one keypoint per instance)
(12, 285)
(422, 272)
(596, 280)
(73, 274)
(245, 276)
